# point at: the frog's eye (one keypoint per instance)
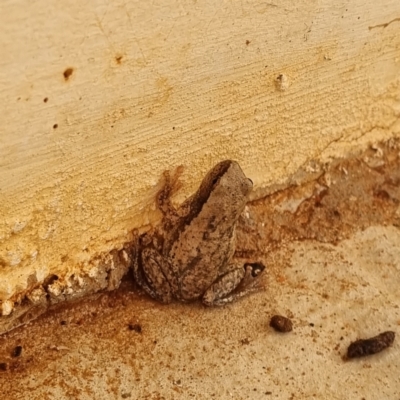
(250, 181)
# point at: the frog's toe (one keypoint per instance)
(253, 271)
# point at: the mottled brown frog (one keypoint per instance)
(191, 256)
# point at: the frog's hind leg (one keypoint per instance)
(234, 284)
(149, 275)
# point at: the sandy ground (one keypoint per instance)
(332, 251)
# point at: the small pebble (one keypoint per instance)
(3, 366)
(17, 351)
(135, 327)
(281, 324)
(366, 347)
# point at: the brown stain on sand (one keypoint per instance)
(67, 73)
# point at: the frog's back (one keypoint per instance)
(203, 264)
(203, 243)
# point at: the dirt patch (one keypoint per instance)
(352, 194)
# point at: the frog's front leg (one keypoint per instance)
(236, 283)
(171, 185)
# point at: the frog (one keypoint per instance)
(191, 255)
